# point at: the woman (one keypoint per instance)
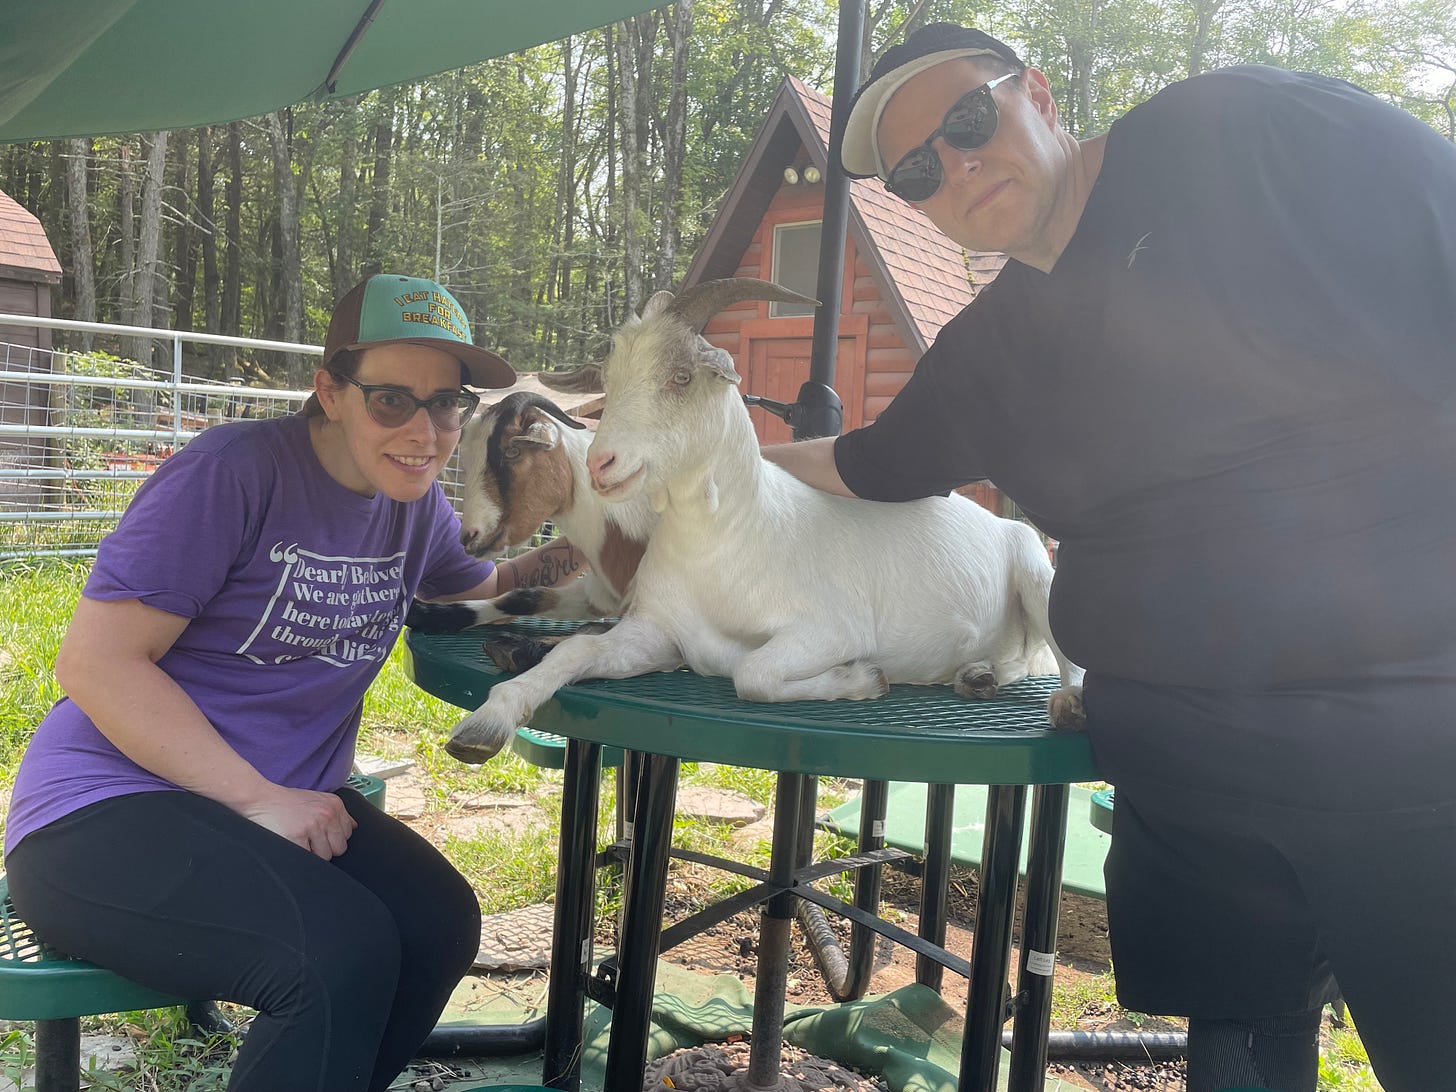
(181, 816)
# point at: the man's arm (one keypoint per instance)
(812, 462)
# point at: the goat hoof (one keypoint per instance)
(1066, 711)
(976, 681)
(439, 617)
(476, 740)
(512, 652)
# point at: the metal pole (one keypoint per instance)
(637, 952)
(177, 391)
(571, 950)
(935, 880)
(1039, 936)
(991, 946)
(820, 411)
(774, 939)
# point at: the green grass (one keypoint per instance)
(506, 869)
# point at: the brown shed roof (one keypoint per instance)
(24, 249)
(926, 277)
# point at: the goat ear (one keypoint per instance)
(539, 433)
(657, 304)
(719, 361)
(584, 380)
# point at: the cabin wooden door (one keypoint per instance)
(779, 366)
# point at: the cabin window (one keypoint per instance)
(796, 265)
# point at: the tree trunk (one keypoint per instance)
(343, 271)
(374, 248)
(232, 282)
(207, 227)
(290, 264)
(83, 268)
(149, 243)
(627, 39)
(679, 33)
(126, 198)
(184, 288)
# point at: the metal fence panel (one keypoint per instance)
(79, 432)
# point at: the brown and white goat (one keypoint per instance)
(752, 574)
(523, 464)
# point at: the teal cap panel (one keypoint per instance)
(395, 308)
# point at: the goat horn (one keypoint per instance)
(696, 305)
(555, 411)
(584, 380)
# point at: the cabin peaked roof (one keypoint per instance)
(24, 248)
(925, 277)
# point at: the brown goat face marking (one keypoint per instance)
(526, 477)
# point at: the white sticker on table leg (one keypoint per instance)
(1042, 963)
(877, 828)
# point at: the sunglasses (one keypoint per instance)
(969, 123)
(393, 408)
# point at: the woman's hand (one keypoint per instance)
(317, 821)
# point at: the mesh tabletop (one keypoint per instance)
(915, 733)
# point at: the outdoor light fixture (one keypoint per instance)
(791, 176)
(811, 175)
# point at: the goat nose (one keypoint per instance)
(597, 464)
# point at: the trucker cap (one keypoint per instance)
(932, 44)
(387, 309)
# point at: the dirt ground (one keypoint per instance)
(1083, 961)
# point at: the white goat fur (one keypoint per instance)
(794, 593)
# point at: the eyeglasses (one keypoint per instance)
(969, 123)
(393, 408)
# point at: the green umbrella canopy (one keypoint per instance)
(87, 67)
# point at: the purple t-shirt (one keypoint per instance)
(296, 589)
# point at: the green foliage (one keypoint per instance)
(17, 1054)
(169, 1056)
(36, 602)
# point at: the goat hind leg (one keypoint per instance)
(799, 667)
(1064, 707)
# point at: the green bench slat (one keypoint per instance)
(548, 750)
(1086, 847)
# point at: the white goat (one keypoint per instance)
(794, 593)
(523, 464)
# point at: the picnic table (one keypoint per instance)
(915, 734)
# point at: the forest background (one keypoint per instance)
(553, 190)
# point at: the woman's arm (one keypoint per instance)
(107, 665)
(555, 562)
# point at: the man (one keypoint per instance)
(1219, 368)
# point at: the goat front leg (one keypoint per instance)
(570, 601)
(799, 666)
(633, 647)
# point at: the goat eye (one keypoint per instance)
(682, 377)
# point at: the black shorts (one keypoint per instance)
(1226, 904)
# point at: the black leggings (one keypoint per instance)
(348, 962)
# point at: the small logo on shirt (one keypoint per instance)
(1138, 249)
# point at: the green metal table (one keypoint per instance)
(923, 734)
